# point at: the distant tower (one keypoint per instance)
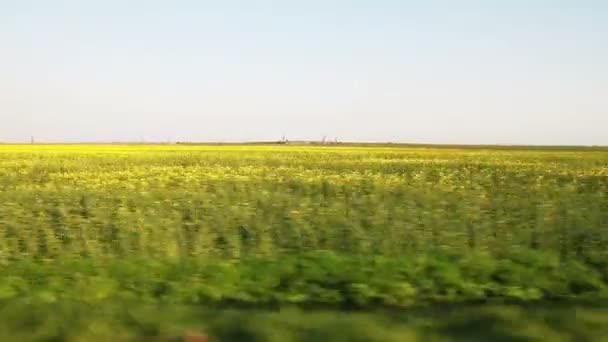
(32, 139)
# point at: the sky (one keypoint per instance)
(465, 72)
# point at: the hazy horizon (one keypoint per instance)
(476, 72)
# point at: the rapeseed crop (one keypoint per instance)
(352, 225)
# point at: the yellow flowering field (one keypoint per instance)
(233, 201)
(134, 240)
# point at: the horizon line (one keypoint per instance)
(305, 142)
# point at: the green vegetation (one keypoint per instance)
(354, 227)
(127, 321)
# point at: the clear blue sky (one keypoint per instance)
(525, 72)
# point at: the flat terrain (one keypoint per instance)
(345, 228)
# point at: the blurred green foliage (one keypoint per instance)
(128, 321)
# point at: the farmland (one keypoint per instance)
(351, 227)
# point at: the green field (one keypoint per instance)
(334, 228)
